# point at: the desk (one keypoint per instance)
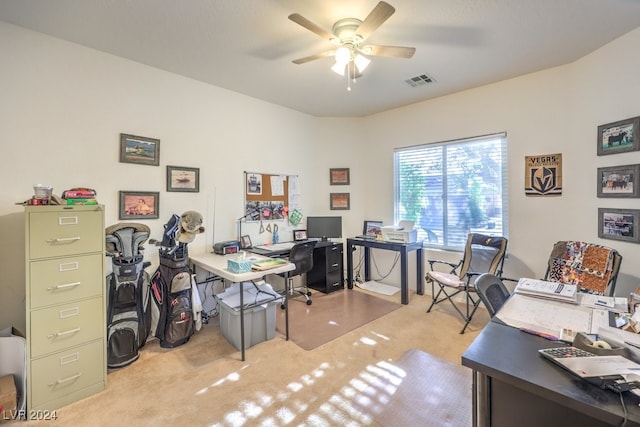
(217, 264)
(403, 248)
(513, 385)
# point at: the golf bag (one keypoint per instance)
(128, 309)
(171, 290)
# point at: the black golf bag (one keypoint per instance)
(172, 311)
(128, 308)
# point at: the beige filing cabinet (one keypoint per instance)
(65, 306)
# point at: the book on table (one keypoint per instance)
(566, 292)
(267, 264)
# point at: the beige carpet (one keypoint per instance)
(331, 316)
(204, 383)
(419, 386)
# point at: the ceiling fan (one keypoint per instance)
(349, 35)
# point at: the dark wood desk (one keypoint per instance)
(402, 248)
(513, 385)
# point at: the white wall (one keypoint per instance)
(553, 111)
(63, 107)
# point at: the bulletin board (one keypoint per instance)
(268, 196)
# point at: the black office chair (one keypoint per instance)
(302, 256)
(492, 292)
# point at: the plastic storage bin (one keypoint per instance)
(259, 315)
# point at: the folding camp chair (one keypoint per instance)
(482, 254)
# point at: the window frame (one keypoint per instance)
(423, 150)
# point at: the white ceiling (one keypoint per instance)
(247, 45)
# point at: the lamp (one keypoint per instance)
(347, 58)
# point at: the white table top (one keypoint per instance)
(217, 264)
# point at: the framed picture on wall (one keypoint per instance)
(619, 137)
(339, 176)
(339, 201)
(183, 179)
(619, 181)
(139, 205)
(139, 149)
(619, 224)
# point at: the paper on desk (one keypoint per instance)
(522, 311)
(618, 304)
(621, 338)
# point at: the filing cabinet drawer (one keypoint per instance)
(56, 328)
(66, 372)
(64, 233)
(55, 281)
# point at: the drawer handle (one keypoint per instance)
(69, 266)
(66, 285)
(334, 265)
(63, 240)
(335, 284)
(59, 334)
(65, 380)
(67, 220)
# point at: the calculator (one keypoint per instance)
(564, 352)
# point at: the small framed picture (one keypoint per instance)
(183, 179)
(139, 149)
(139, 205)
(299, 235)
(339, 201)
(619, 137)
(619, 224)
(245, 241)
(619, 181)
(339, 176)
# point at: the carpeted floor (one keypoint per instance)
(331, 316)
(204, 382)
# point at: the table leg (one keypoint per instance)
(349, 265)
(419, 277)
(404, 285)
(367, 264)
(242, 318)
(286, 308)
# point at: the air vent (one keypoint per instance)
(420, 80)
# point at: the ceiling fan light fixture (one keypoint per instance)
(361, 62)
(343, 55)
(338, 68)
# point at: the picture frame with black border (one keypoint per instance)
(245, 242)
(339, 176)
(339, 201)
(619, 224)
(139, 205)
(139, 150)
(183, 179)
(619, 181)
(619, 137)
(300, 235)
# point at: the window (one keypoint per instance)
(452, 188)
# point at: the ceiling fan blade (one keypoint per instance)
(313, 57)
(301, 20)
(378, 15)
(392, 51)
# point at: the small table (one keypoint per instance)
(217, 264)
(403, 248)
